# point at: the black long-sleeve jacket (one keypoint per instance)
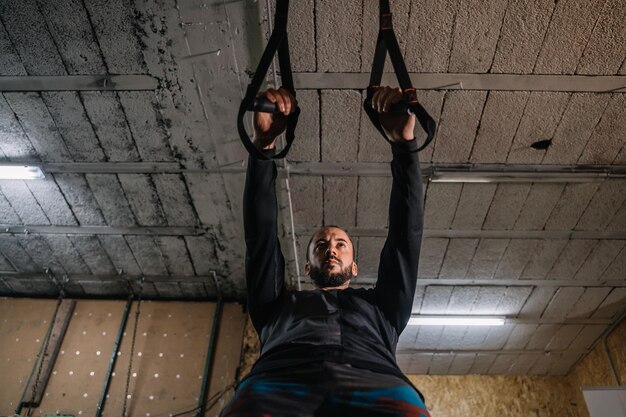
(355, 326)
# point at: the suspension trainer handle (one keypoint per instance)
(263, 105)
(278, 42)
(401, 107)
(387, 41)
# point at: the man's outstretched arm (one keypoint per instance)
(397, 271)
(265, 265)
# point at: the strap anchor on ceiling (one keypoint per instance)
(408, 105)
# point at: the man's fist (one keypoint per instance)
(397, 127)
(267, 126)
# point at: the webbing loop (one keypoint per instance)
(278, 42)
(387, 42)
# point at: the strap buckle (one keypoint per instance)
(409, 95)
(386, 21)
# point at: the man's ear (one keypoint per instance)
(355, 269)
(306, 268)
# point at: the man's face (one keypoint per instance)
(331, 258)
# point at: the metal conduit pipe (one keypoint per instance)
(210, 356)
(40, 358)
(603, 340)
(608, 356)
(605, 333)
(118, 340)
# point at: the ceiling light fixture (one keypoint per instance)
(457, 320)
(521, 176)
(20, 172)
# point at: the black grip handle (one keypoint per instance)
(401, 107)
(263, 105)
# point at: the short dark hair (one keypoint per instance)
(326, 227)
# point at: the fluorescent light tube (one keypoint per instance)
(20, 172)
(456, 321)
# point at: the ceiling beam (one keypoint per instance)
(354, 232)
(452, 81)
(468, 172)
(430, 172)
(484, 234)
(360, 281)
(522, 282)
(78, 83)
(359, 81)
(370, 280)
(102, 230)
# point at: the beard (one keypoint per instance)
(324, 278)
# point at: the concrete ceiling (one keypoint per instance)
(148, 180)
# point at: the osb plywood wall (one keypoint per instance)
(497, 396)
(168, 362)
(594, 370)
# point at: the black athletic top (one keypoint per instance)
(355, 326)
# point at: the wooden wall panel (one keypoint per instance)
(168, 360)
(491, 396)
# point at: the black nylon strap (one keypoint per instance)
(387, 41)
(278, 42)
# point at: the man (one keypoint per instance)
(330, 351)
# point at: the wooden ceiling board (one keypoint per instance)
(617, 268)
(175, 255)
(580, 118)
(472, 207)
(608, 137)
(486, 258)
(20, 146)
(458, 258)
(52, 201)
(175, 200)
(340, 201)
(571, 258)
(93, 254)
(515, 257)
(570, 26)
(143, 199)
(148, 254)
(66, 254)
(460, 118)
(477, 28)
(111, 198)
(539, 203)
(372, 201)
(604, 259)
(603, 206)
(431, 257)
(545, 255)
(441, 204)
(498, 125)
(572, 204)
(120, 254)
(540, 119)
(38, 126)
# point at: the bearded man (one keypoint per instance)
(330, 351)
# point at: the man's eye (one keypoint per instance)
(342, 244)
